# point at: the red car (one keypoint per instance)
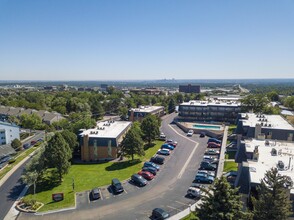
(213, 145)
(172, 143)
(33, 142)
(147, 175)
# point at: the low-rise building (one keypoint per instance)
(209, 111)
(137, 114)
(251, 125)
(256, 157)
(8, 132)
(103, 141)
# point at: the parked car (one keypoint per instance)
(152, 170)
(215, 140)
(212, 152)
(159, 214)
(116, 186)
(209, 158)
(26, 146)
(167, 146)
(95, 193)
(5, 159)
(207, 166)
(203, 178)
(147, 175)
(190, 133)
(231, 177)
(33, 143)
(151, 164)
(157, 159)
(40, 140)
(138, 180)
(207, 172)
(162, 136)
(211, 161)
(194, 192)
(164, 152)
(213, 145)
(202, 134)
(171, 142)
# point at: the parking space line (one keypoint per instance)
(181, 203)
(88, 196)
(125, 191)
(101, 196)
(187, 162)
(181, 134)
(173, 208)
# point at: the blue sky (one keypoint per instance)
(150, 39)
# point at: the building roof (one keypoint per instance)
(211, 103)
(4, 109)
(285, 153)
(108, 129)
(50, 116)
(147, 109)
(275, 121)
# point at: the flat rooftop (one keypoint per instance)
(107, 129)
(211, 103)
(269, 121)
(285, 151)
(147, 109)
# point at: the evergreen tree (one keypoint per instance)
(132, 143)
(70, 138)
(150, 128)
(171, 105)
(57, 155)
(16, 144)
(273, 202)
(221, 202)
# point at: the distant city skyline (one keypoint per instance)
(146, 40)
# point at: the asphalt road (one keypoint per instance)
(167, 190)
(11, 189)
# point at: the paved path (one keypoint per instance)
(167, 190)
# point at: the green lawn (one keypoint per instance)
(230, 155)
(88, 176)
(231, 129)
(230, 165)
(192, 216)
(19, 157)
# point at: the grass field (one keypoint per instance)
(189, 217)
(19, 157)
(230, 155)
(88, 176)
(230, 165)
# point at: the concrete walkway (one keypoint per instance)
(221, 163)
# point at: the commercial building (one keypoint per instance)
(256, 157)
(209, 111)
(260, 126)
(146, 91)
(8, 132)
(137, 114)
(103, 141)
(189, 88)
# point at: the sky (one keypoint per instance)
(146, 39)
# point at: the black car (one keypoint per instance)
(116, 186)
(150, 169)
(157, 160)
(5, 159)
(202, 134)
(138, 180)
(205, 165)
(159, 213)
(95, 193)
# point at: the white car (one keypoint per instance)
(190, 133)
(162, 136)
(194, 192)
(164, 151)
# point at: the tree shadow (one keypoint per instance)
(122, 165)
(147, 146)
(15, 191)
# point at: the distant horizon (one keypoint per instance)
(73, 40)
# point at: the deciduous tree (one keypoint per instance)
(132, 143)
(150, 128)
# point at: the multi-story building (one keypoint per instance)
(251, 125)
(103, 142)
(8, 132)
(209, 111)
(137, 114)
(256, 157)
(189, 88)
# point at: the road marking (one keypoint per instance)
(181, 203)
(88, 195)
(125, 191)
(173, 208)
(187, 162)
(181, 134)
(101, 197)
